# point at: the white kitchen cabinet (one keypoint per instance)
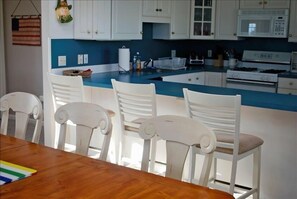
(190, 78)
(264, 4)
(202, 19)
(293, 22)
(126, 20)
(179, 26)
(107, 19)
(226, 20)
(157, 11)
(92, 19)
(287, 86)
(176, 78)
(215, 79)
(196, 78)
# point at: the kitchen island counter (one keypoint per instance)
(249, 98)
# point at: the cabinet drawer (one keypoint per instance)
(287, 91)
(287, 83)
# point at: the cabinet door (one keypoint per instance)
(196, 78)
(102, 19)
(251, 3)
(83, 15)
(176, 78)
(213, 79)
(126, 19)
(293, 22)
(226, 20)
(277, 3)
(265, 3)
(180, 19)
(202, 19)
(164, 7)
(150, 8)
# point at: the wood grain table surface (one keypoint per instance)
(66, 175)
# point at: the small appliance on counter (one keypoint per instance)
(196, 59)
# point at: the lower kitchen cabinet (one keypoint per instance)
(287, 86)
(201, 78)
(190, 78)
(215, 79)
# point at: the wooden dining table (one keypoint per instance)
(64, 175)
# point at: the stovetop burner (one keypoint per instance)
(249, 69)
(273, 71)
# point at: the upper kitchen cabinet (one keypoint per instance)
(108, 19)
(202, 19)
(126, 19)
(179, 25)
(156, 11)
(92, 19)
(293, 22)
(265, 3)
(226, 19)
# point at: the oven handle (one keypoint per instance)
(251, 82)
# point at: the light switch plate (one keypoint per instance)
(86, 58)
(61, 60)
(80, 59)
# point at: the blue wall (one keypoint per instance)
(106, 52)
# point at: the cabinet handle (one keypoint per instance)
(160, 10)
(189, 79)
(141, 32)
(260, 3)
(197, 78)
(265, 2)
(212, 33)
(291, 83)
(88, 32)
(234, 34)
(173, 33)
(96, 32)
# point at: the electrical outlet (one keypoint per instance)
(61, 60)
(173, 53)
(80, 59)
(209, 53)
(86, 58)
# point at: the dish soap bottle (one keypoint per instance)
(138, 62)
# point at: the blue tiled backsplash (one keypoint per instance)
(106, 52)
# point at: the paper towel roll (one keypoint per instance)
(124, 59)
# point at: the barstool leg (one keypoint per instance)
(256, 172)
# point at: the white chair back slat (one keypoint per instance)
(218, 112)
(179, 133)
(25, 106)
(135, 103)
(66, 89)
(86, 117)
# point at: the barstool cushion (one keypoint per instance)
(246, 142)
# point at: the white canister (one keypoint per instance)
(124, 58)
(232, 62)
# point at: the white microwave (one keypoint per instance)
(263, 23)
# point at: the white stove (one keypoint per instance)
(259, 70)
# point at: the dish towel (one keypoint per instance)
(10, 172)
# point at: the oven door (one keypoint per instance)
(251, 85)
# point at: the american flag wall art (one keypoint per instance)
(26, 31)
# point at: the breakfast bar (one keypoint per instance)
(270, 116)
